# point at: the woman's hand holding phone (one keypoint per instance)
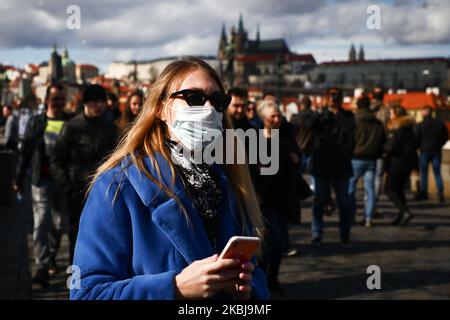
(243, 248)
(204, 278)
(242, 289)
(231, 272)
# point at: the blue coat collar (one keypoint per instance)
(191, 239)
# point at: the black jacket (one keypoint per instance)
(305, 127)
(81, 146)
(369, 136)
(431, 134)
(401, 146)
(277, 191)
(33, 149)
(331, 158)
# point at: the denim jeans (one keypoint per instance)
(305, 171)
(366, 169)
(379, 178)
(321, 198)
(435, 159)
(49, 221)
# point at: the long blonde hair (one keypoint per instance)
(147, 135)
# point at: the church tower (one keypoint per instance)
(223, 43)
(352, 54)
(56, 71)
(258, 37)
(361, 55)
(241, 36)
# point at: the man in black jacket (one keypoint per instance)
(37, 148)
(331, 164)
(305, 130)
(84, 142)
(369, 140)
(431, 135)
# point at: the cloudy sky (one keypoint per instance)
(122, 30)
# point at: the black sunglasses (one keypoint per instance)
(197, 98)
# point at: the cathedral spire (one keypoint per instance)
(223, 35)
(65, 53)
(352, 53)
(361, 55)
(223, 42)
(257, 34)
(241, 24)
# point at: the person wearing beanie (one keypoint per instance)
(83, 143)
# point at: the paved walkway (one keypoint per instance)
(15, 277)
(414, 261)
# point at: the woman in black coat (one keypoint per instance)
(279, 199)
(401, 151)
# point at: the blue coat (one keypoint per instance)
(132, 248)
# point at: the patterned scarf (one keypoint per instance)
(203, 187)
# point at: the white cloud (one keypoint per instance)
(140, 28)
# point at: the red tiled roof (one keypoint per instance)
(87, 66)
(33, 67)
(9, 67)
(416, 100)
(286, 101)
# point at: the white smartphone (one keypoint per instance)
(243, 248)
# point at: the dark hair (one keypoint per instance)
(57, 86)
(7, 106)
(306, 101)
(363, 102)
(378, 93)
(399, 111)
(267, 94)
(338, 94)
(239, 92)
(94, 92)
(113, 97)
(127, 114)
(429, 108)
(135, 93)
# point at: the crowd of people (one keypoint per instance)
(336, 147)
(59, 152)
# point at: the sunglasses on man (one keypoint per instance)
(198, 98)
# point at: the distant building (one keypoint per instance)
(266, 64)
(43, 74)
(148, 70)
(56, 70)
(408, 74)
(31, 69)
(24, 89)
(69, 68)
(85, 72)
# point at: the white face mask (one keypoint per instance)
(197, 126)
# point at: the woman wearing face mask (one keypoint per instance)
(155, 219)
